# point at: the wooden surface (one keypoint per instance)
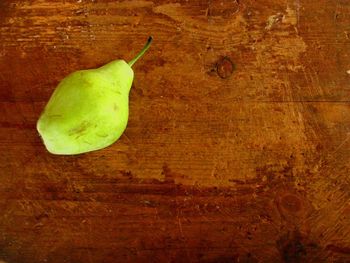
(238, 143)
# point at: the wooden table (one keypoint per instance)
(238, 142)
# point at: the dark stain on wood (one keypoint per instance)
(337, 249)
(294, 247)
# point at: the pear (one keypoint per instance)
(89, 109)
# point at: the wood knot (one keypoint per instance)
(291, 203)
(224, 67)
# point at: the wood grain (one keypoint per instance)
(238, 143)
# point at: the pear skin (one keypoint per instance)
(89, 109)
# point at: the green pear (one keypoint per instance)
(89, 109)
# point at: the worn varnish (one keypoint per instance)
(237, 148)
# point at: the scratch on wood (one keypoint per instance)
(341, 144)
(297, 4)
(90, 240)
(180, 226)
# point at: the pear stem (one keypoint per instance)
(145, 48)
